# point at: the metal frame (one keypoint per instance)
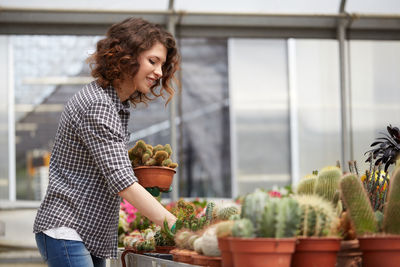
(202, 24)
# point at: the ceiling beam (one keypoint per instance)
(200, 24)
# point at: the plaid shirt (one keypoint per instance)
(89, 165)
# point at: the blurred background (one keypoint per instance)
(270, 91)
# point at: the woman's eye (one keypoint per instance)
(152, 62)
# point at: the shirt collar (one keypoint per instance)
(112, 93)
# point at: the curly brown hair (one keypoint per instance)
(118, 54)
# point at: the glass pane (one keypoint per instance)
(375, 85)
(260, 6)
(206, 163)
(318, 100)
(373, 6)
(43, 65)
(89, 4)
(4, 106)
(259, 97)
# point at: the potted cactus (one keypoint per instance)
(317, 244)
(153, 165)
(379, 236)
(265, 234)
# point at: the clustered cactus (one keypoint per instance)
(145, 154)
(263, 216)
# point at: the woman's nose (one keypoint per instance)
(158, 71)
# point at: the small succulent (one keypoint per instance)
(388, 148)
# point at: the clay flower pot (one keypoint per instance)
(316, 251)
(226, 254)
(155, 176)
(265, 252)
(164, 249)
(380, 250)
(349, 254)
(203, 260)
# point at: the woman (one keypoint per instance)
(76, 224)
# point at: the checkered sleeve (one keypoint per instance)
(101, 131)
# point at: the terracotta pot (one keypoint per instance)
(226, 254)
(203, 260)
(174, 254)
(182, 255)
(316, 252)
(349, 254)
(164, 249)
(152, 176)
(380, 250)
(257, 252)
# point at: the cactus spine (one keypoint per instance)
(243, 228)
(306, 185)
(391, 219)
(358, 205)
(327, 184)
(253, 208)
(318, 217)
(224, 213)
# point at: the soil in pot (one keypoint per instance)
(164, 249)
(316, 252)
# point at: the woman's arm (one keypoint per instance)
(147, 205)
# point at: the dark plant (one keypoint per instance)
(387, 148)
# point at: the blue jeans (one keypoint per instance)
(66, 253)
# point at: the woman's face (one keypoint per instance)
(150, 71)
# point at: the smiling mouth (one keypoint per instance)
(151, 82)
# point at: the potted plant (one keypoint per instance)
(153, 165)
(265, 236)
(379, 236)
(317, 243)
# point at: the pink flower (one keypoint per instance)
(274, 193)
(129, 210)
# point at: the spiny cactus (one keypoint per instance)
(318, 217)
(357, 203)
(224, 228)
(243, 228)
(209, 211)
(327, 185)
(280, 218)
(306, 185)
(209, 244)
(253, 208)
(145, 154)
(182, 238)
(391, 218)
(224, 212)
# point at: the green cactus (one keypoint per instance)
(357, 203)
(224, 228)
(391, 218)
(306, 185)
(253, 208)
(167, 148)
(318, 217)
(327, 185)
(224, 213)
(243, 228)
(209, 211)
(280, 218)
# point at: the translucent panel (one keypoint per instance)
(260, 6)
(89, 4)
(373, 6)
(375, 85)
(4, 106)
(43, 66)
(259, 97)
(318, 100)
